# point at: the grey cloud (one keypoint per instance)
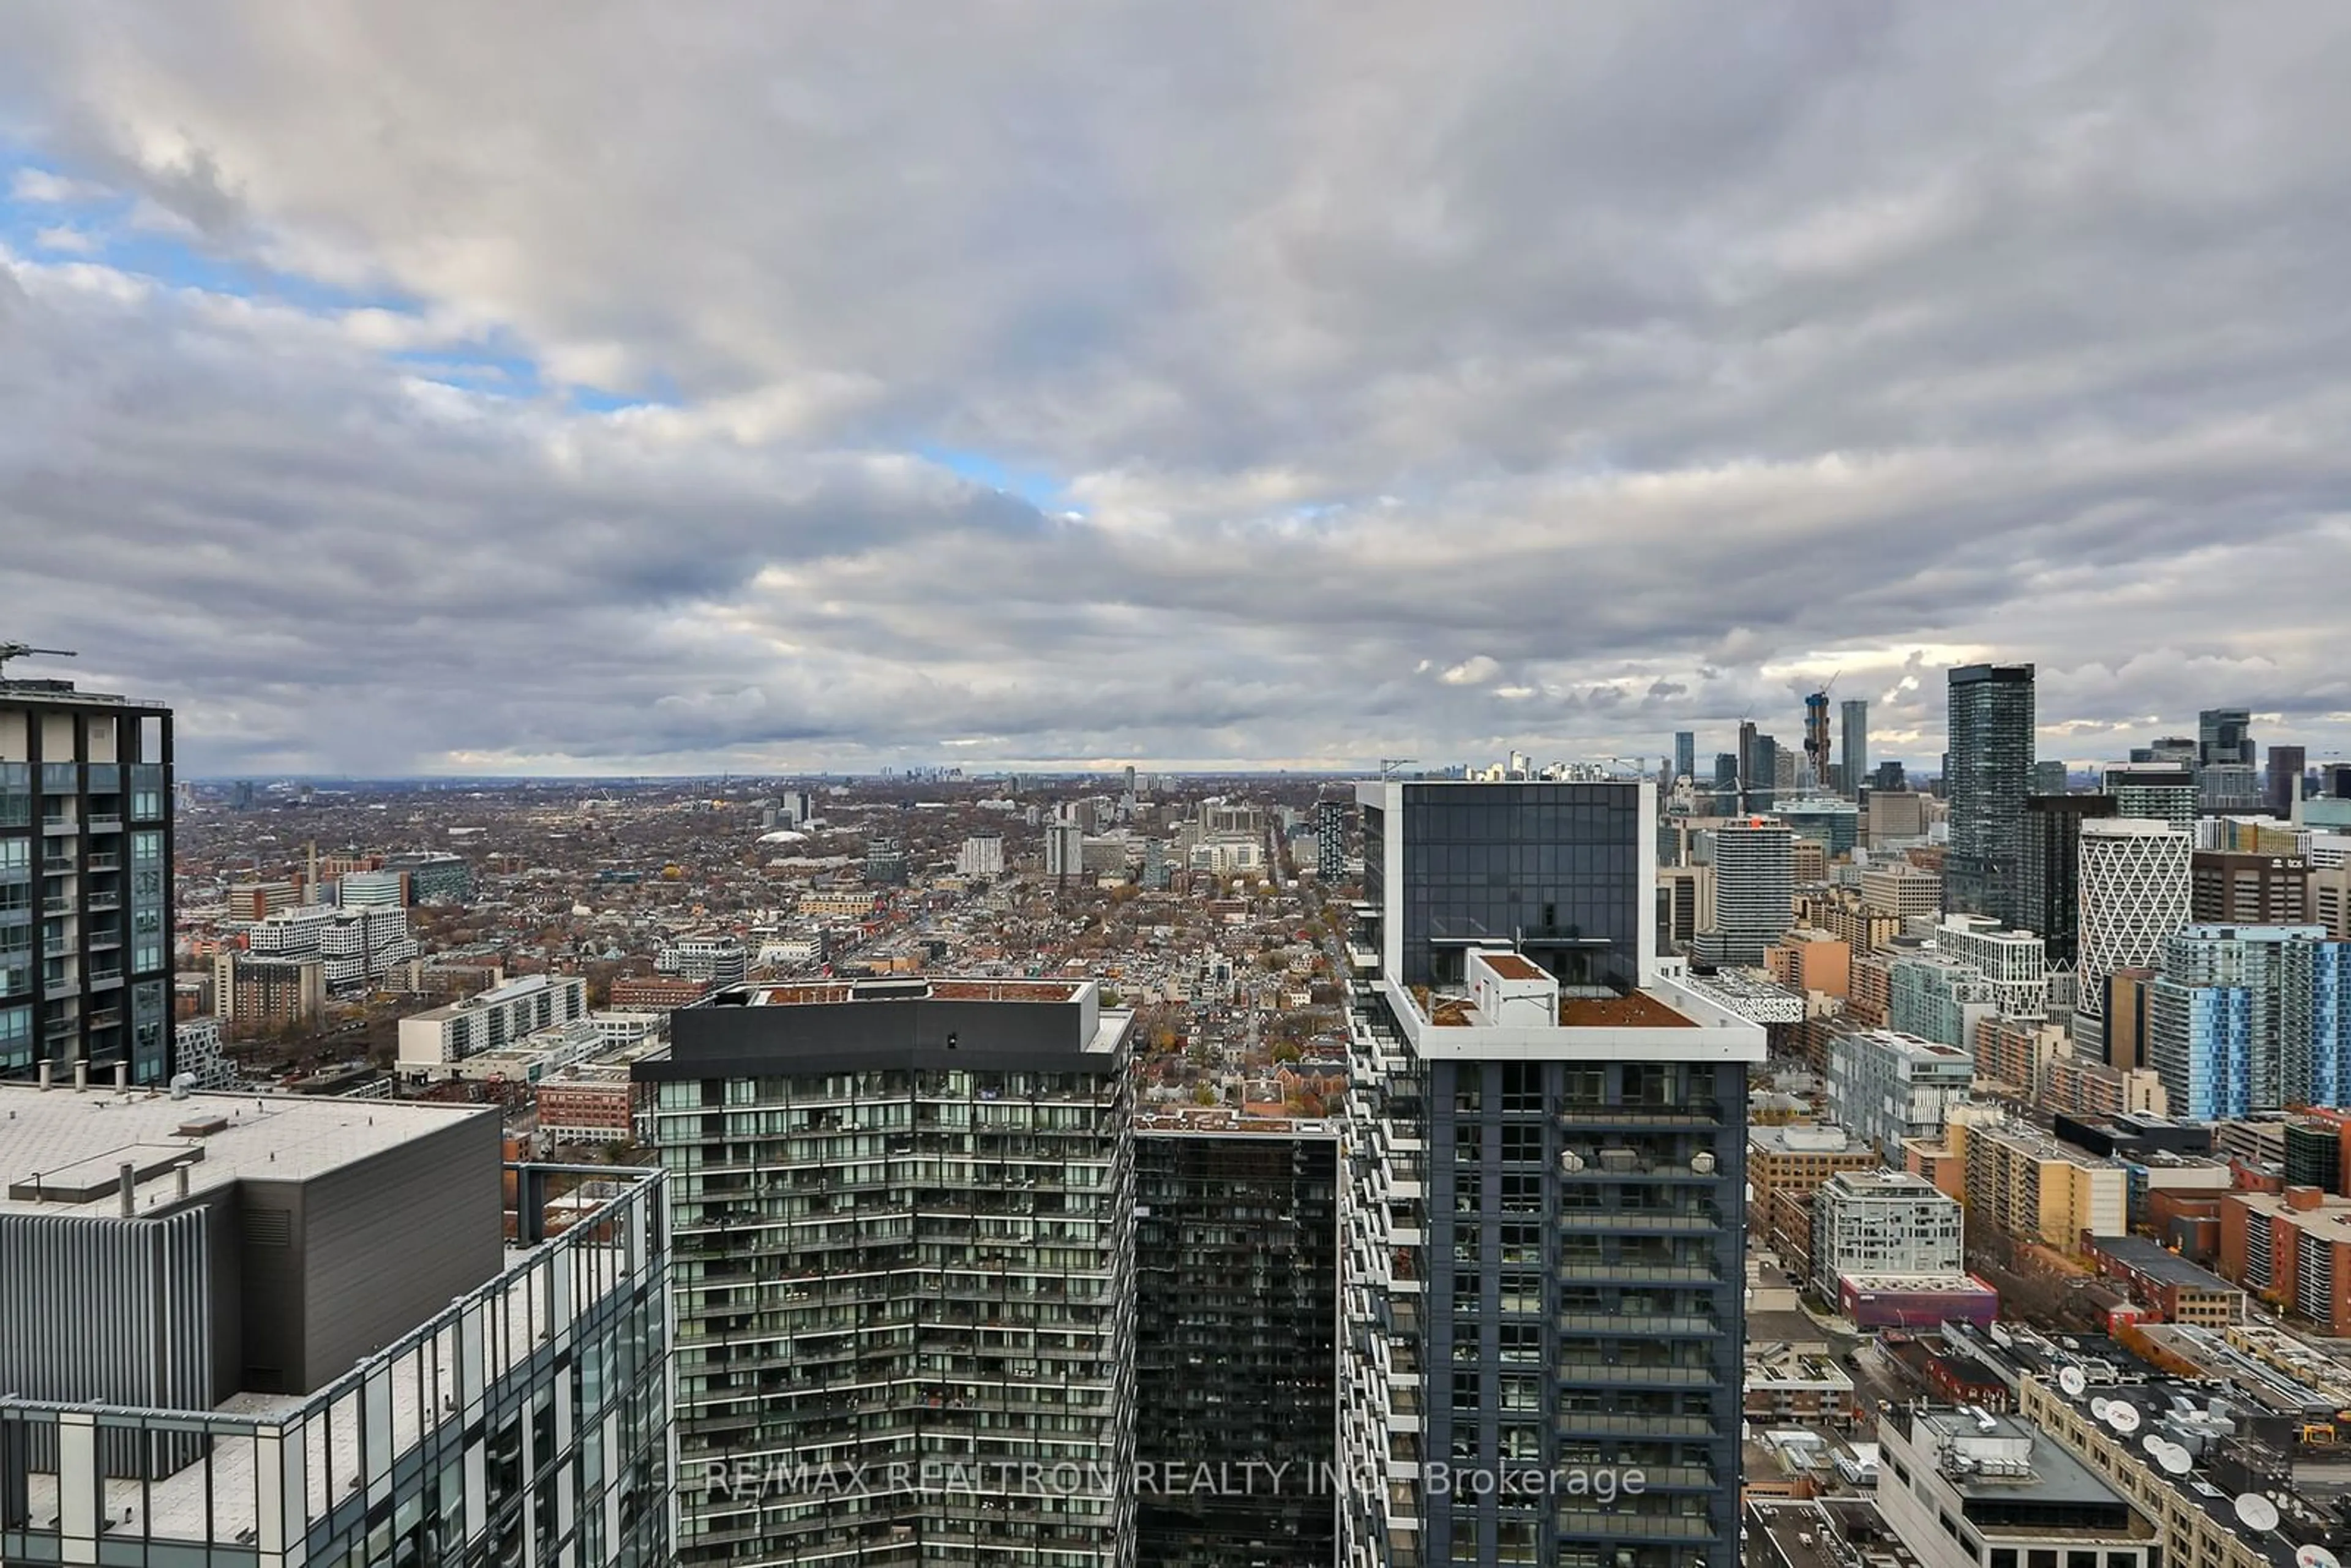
(1639, 366)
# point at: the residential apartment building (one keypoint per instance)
(982, 855)
(86, 917)
(2037, 1190)
(2252, 1018)
(260, 996)
(1546, 1151)
(1935, 997)
(431, 1042)
(1886, 1086)
(715, 960)
(1237, 1340)
(905, 1216)
(656, 993)
(2163, 791)
(2292, 1249)
(1872, 1223)
(1754, 892)
(2051, 868)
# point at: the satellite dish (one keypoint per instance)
(2174, 1459)
(2123, 1418)
(2098, 1406)
(2152, 1443)
(2256, 1513)
(2315, 1556)
(2073, 1381)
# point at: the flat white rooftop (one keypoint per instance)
(63, 1142)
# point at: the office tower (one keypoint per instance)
(2134, 893)
(1889, 776)
(2048, 779)
(2224, 734)
(1546, 1267)
(86, 922)
(2252, 1018)
(1854, 713)
(2162, 792)
(1685, 754)
(904, 1213)
(1237, 1341)
(1749, 779)
(1833, 824)
(1330, 842)
(312, 1330)
(1987, 778)
(2179, 749)
(2240, 888)
(2049, 892)
(2283, 780)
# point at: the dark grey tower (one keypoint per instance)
(1986, 779)
(84, 881)
(1547, 1148)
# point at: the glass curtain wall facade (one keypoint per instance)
(1986, 778)
(1552, 868)
(1237, 1348)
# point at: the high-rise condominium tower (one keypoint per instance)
(904, 1213)
(1855, 712)
(1988, 774)
(84, 881)
(2134, 892)
(1547, 1148)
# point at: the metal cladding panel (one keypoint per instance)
(387, 1242)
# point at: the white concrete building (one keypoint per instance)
(982, 855)
(1884, 1222)
(1886, 1086)
(720, 959)
(1965, 1489)
(2015, 964)
(502, 1016)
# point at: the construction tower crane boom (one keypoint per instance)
(25, 650)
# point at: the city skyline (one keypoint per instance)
(867, 387)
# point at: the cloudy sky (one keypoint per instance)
(434, 387)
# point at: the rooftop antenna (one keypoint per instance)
(25, 650)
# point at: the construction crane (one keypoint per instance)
(1388, 765)
(24, 649)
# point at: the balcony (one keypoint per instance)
(105, 901)
(62, 1028)
(57, 903)
(59, 864)
(60, 825)
(104, 859)
(111, 822)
